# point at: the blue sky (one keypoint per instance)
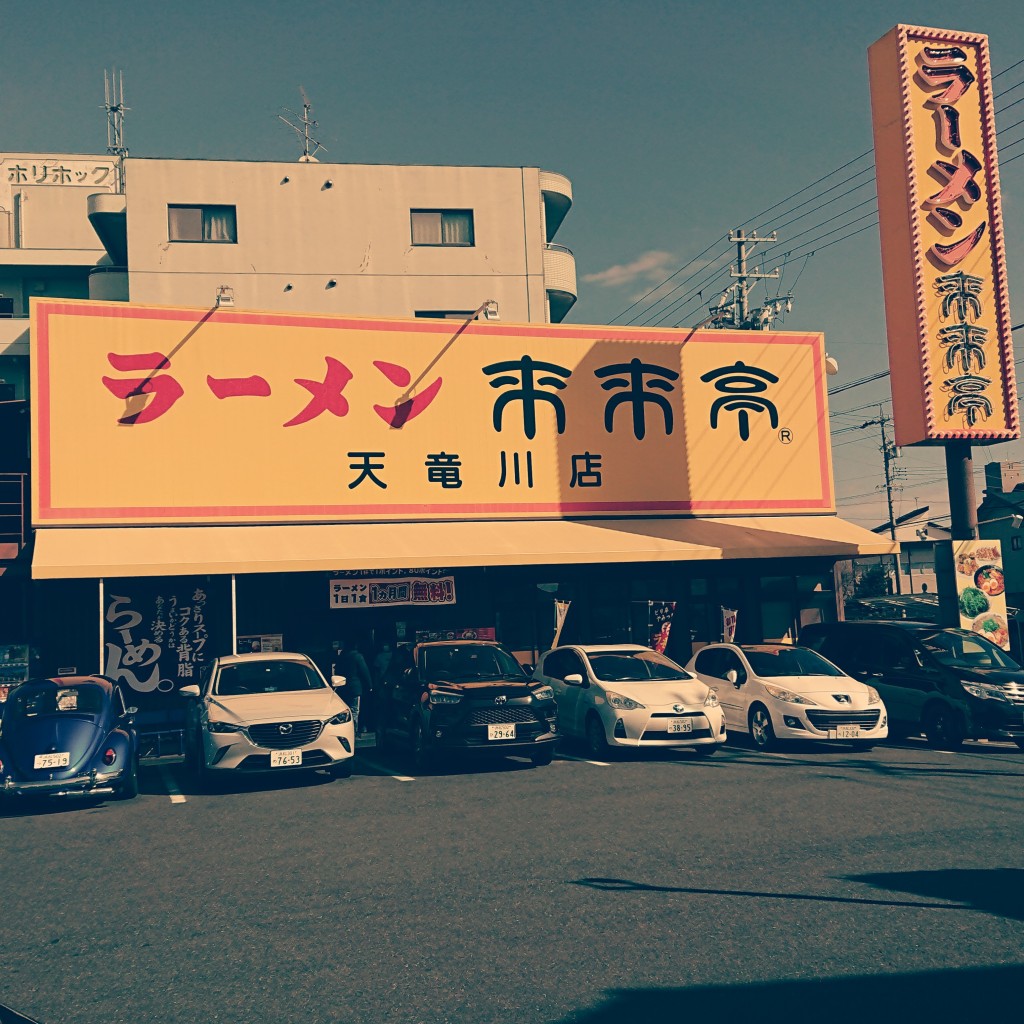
(674, 121)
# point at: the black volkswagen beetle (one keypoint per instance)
(68, 736)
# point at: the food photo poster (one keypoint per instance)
(981, 589)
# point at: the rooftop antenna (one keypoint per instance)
(310, 147)
(113, 101)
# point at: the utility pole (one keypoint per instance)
(889, 454)
(733, 309)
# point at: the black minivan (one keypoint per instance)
(950, 684)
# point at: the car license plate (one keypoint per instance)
(61, 760)
(285, 758)
(847, 732)
(680, 725)
(501, 732)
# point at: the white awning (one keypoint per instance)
(92, 552)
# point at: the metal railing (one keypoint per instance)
(555, 247)
(13, 508)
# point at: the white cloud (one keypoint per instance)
(651, 266)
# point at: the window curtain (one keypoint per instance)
(426, 228)
(219, 224)
(457, 229)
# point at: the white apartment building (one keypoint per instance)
(359, 239)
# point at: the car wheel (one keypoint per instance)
(422, 756)
(761, 732)
(597, 742)
(944, 729)
(342, 769)
(128, 788)
(539, 758)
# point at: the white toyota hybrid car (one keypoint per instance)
(267, 713)
(625, 695)
(779, 691)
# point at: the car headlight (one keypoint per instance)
(873, 697)
(440, 697)
(224, 727)
(787, 695)
(621, 703)
(984, 692)
(341, 718)
(711, 700)
(543, 693)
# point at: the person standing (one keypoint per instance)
(350, 663)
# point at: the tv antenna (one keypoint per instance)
(310, 147)
(113, 102)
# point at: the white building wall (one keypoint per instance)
(302, 226)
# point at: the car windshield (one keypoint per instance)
(771, 662)
(635, 667)
(961, 647)
(463, 663)
(53, 701)
(267, 677)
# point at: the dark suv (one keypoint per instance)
(466, 697)
(950, 684)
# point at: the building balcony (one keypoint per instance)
(559, 280)
(556, 191)
(108, 284)
(108, 215)
(14, 335)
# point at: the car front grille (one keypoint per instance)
(501, 715)
(825, 720)
(297, 734)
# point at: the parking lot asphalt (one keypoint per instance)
(872, 885)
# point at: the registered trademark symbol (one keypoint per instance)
(786, 435)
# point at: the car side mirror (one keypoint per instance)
(189, 691)
(338, 682)
(733, 677)
(574, 679)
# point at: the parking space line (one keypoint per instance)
(380, 768)
(172, 787)
(584, 760)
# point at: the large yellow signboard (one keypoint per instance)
(943, 255)
(155, 415)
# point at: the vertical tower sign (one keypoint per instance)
(943, 256)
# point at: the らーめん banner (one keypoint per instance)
(155, 415)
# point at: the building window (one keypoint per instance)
(1015, 543)
(201, 224)
(442, 227)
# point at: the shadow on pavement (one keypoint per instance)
(993, 890)
(621, 885)
(984, 993)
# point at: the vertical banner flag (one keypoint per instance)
(981, 589)
(728, 625)
(661, 623)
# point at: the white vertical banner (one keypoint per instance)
(561, 609)
(728, 625)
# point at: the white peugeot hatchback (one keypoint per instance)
(625, 695)
(267, 713)
(779, 691)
